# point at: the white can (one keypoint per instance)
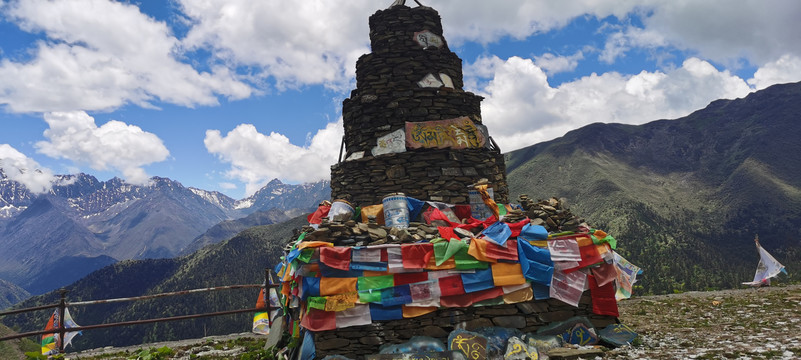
(396, 210)
(340, 211)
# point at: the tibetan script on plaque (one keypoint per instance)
(459, 133)
(427, 39)
(393, 142)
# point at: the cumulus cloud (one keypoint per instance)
(298, 43)
(755, 31)
(113, 146)
(256, 158)
(522, 109)
(90, 61)
(784, 70)
(554, 64)
(488, 21)
(25, 170)
(227, 186)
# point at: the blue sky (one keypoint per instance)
(228, 94)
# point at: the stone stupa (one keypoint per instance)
(409, 125)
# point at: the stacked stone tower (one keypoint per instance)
(409, 125)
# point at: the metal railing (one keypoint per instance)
(63, 304)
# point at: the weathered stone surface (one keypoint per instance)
(435, 332)
(334, 343)
(516, 322)
(371, 340)
(532, 307)
(478, 323)
(556, 316)
(424, 179)
(497, 311)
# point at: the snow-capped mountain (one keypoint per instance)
(106, 221)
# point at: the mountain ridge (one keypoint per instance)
(106, 221)
(691, 192)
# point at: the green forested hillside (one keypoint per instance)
(684, 197)
(240, 260)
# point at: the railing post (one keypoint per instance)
(267, 287)
(62, 307)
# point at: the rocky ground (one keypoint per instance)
(760, 323)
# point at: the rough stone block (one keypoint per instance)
(516, 321)
(532, 307)
(556, 316)
(478, 323)
(330, 344)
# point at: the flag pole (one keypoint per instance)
(62, 306)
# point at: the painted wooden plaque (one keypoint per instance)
(459, 133)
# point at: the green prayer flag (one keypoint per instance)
(375, 282)
(608, 239)
(501, 210)
(316, 302)
(305, 255)
(300, 238)
(370, 296)
(440, 249)
(465, 261)
(455, 246)
(612, 242)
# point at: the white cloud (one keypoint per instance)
(488, 21)
(25, 170)
(718, 30)
(227, 186)
(521, 109)
(102, 54)
(554, 64)
(114, 145)
(784, 70)
(618, 43)
(256, 158)
(295, 43)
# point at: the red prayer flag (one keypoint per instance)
(410, 278)
(317, 216)
(518, 226)
(604, 274)
(416, 256)
(506, 252)
(467, 300)
(336, 257)
(447, 232)
(319, 320)
(463, 211)
(603, 298)
(451, 285)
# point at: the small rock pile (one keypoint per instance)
(553, 214)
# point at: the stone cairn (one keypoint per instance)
(411, 76)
